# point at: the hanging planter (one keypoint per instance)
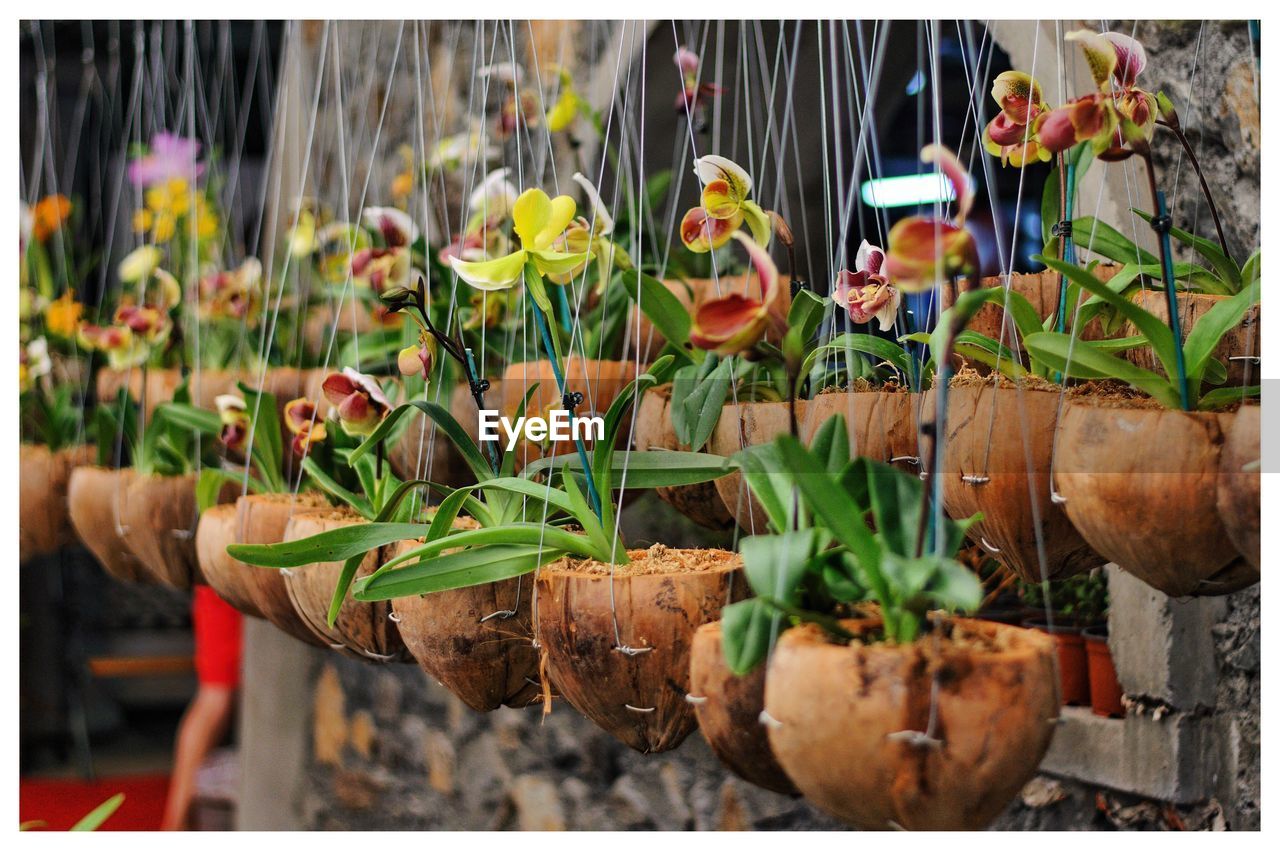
(749, 424)
(1140, 484)
(728, 710)
(997, 458)
(1105, 695)
(262, 519)
(1239, 350)
(361, 630)
(158, 514)
(1240, 483)
(156, 385)
(938, 734)
(701, 503)
(632, 682)
(476, 641)
(94, 498)
(223, 573)
(43, 475)
(881, 423)
(599, 382)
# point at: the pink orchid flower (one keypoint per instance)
(168, 157)
(865, 293)
(358, 399)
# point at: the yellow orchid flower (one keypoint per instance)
(567, 106)
(139, 263)
(538, 220)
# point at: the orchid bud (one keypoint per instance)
(1167, 110)
(396, 298)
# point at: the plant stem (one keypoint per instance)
(1204, 184)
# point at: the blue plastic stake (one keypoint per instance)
(1068, 245)
(560, 383)
(1171, 295)
(473, 378)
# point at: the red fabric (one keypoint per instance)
(218, 639)
(61, 803)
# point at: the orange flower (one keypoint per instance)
(50, 213)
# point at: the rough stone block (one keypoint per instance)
(1171, 759)
(1163, 647)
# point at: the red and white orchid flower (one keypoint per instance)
(866, 293)
(301, 420)
(924, 251)
(734, 322)
(726, 204)
(234, 415)
(358, 400)
(1011, 134)
(397, 227)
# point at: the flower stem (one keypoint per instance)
(1204, 184)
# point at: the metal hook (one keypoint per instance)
(1057, 498)
(986, 544)
(695, 699)
(632, 651)
(640, 708)
(915, 738)
(1251, 358)
(975, 480)
(910, 459)
(503, 613)
(768, 720)
(393, 617)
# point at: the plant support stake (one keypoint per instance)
(1161, 224)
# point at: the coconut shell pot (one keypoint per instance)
(599, 382)
(1240, 483)
(881, 424)
(1140, 484)
(262, 519)
(634, 691)
(44, 526)
(728, 709)
(1238, 349)
(225, 575)
(159, 517)
(741, 425)
(464, 639)
(701, 503)
(998, 452)
(848, 719)
(94, 498)
(362, 630)
(150, 388)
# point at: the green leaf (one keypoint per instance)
(747, 629)
(662, 308)
(455, 570)
(1209, 330)
(770, 483)
(1101, 238)
(703, 404)
(452, 429)
(533, 534)
(1252, 270)
(332, 545)
(99, 814)
(653, 468)
(1224, 396)
(1148, 324)
(1211, 251)
(776, 564)
(1079, 359)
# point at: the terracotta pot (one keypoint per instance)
(486, 661)
(1104, 687)
(648, 340)
(262, 519)
(881, 424)
(1073, 665)
(160, 385)
(159, 517)
(43, 475)
(224, 574)
(1240, 489)
(656, 602)
(701, 503)
(840, 710)
(741, 425)
(362, 630)
(94, 498)
(1243, 341)
(1140, 484)
(998, 452)
(599, 382)
(728, 709)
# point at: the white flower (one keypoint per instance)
(603, 222)
(712, 167)
(38, 362)
(396, 226)
(495, 196)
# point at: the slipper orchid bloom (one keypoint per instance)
(396, 226)
(301, 420)
(866, 293)
(234, 415)
(538, 220)
(1011, 134)
(692, 97)
(358, 399)
(734, 322)
(590, 237)
(726, 204)
(924, 251)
